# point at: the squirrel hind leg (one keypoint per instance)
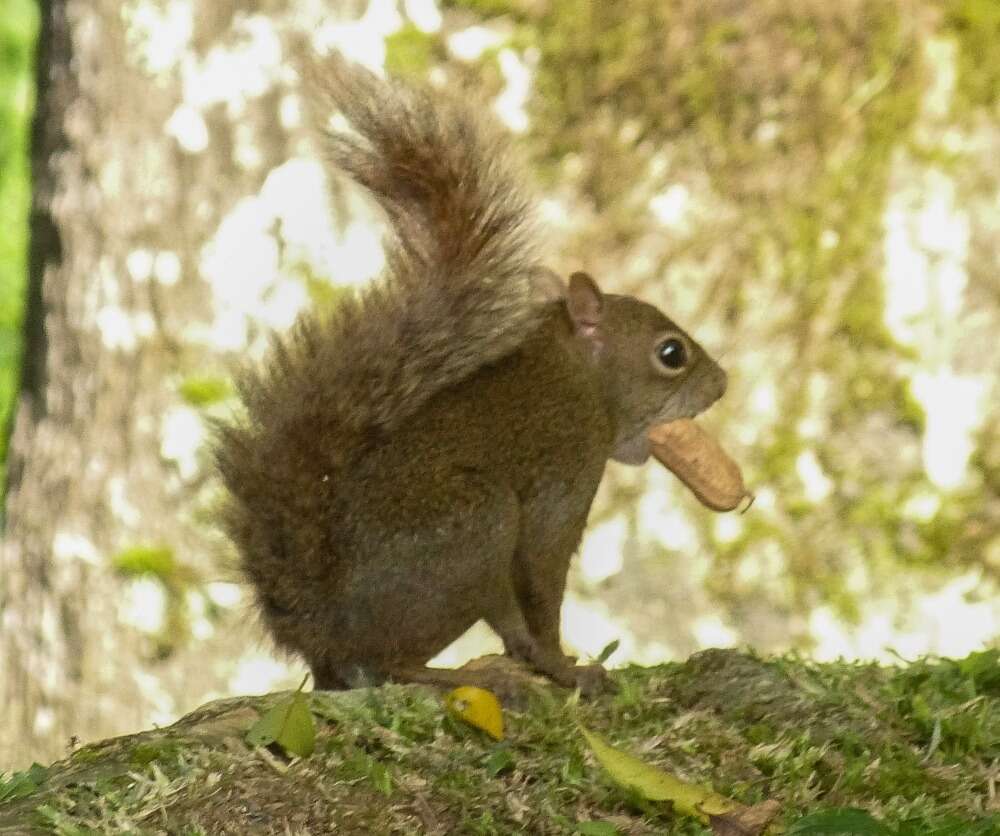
(592, 679)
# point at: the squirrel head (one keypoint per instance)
(651, 370)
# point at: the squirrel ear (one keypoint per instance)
(585, 303)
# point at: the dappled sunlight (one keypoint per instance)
(182, 434)
(926, 250)
(144, 605)
(816, 484)
(362, 40)
(954, 408)
(510, 104)
(945, 623)
(601, 553)
(261, 672)
(270, 245)
(470, 43)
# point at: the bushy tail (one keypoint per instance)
(458, 291)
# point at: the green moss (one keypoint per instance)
(813, 737)
(976, 25)
(178, 581)
(410, 52)
(948, 702)
(137, 561)
(153, 750)
(205, 390)
(911, 412)
(87, 754)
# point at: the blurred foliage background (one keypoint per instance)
(17, 31)
(812, 189)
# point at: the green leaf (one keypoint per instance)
(409, 51)
(22, 784)
(983, 668)
(380, 777)
(289, 724)
(500, 761)
(605, 654)
(841, 822)
(656, 785)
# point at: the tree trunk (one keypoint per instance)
(105, 488)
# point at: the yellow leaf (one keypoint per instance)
(477, 707)
(657, 785)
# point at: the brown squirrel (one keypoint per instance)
(426, 455)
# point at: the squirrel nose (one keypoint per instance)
(721, 381)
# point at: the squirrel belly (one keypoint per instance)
(425, 456)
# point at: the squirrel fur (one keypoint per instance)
(425, 456)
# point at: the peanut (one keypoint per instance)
(696, 458)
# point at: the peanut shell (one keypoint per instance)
(696, 458)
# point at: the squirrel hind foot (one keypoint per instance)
(509, 678)
(509, 681)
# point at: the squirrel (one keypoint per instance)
(425, 455)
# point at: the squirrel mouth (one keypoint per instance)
(697, 459)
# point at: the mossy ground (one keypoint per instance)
(916, 747)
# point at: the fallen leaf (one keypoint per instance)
(500, 761)
(477, 707)
(655, 784)
(289, 724)
(688, 799)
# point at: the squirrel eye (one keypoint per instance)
(672, 354)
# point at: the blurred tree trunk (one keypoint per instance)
(121, 213)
